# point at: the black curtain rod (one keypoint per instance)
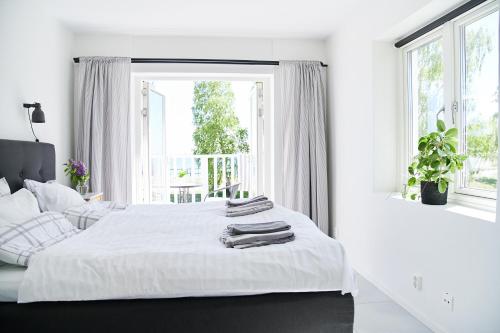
(439, 22)
(202, 61)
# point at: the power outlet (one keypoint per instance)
(417, 282)
(449, 300)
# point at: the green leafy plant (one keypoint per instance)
(182, 173)
(437, 158)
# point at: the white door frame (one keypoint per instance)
(265, 173)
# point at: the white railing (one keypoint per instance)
(222, 169)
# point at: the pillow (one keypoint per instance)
(18, 207)
(30, 184)
(86, 215)
(20, 241)
(56, 197)
(4, 187)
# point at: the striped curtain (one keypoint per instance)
(301, 98)
(102, 124)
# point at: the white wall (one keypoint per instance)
(35, 65)
(199, 47)
(389, 240)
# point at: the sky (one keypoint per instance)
(178, 114)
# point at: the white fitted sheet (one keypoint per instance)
(162, 251)
(11, 277)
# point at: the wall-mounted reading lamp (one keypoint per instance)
(36, 117)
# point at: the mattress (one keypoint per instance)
(170, 251)
(11, 277)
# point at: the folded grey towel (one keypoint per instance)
(257, 228)
(248, 206)
(241, 202)
(231, 241)
(264, 243)
(241, 211)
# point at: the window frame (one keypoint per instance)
(408, 102)
(450, 32)
(265, 164)
(459, 72)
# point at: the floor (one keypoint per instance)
(377, 313)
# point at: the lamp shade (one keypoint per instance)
(38, 116)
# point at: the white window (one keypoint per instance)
(452, 74)
(198, 133)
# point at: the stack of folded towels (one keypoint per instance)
(240, 207)
(243, 236)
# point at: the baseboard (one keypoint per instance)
(400, 301)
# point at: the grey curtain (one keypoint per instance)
(102, 124)
(301, 97)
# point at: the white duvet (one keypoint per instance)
(164, 251)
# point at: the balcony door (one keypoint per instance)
(200, 135)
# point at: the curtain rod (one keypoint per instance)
(439, 22)
(202, 61)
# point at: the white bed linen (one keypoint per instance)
(164, 251)
(11, 277)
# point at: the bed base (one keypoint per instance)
(285, 312)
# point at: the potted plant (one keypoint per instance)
(437, 159)
(79, 175)
(182, 173)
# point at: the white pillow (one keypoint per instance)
(4, 187)
(18, 207)
(18, 244)
(56, 197)
(30, 184)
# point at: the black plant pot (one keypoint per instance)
(431, 195)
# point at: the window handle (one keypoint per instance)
(454, 108)
(437, 114)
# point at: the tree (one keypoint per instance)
(217, 127)
(430, 82)
(482, 136)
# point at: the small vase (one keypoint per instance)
(82, 188)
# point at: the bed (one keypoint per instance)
(277, 289)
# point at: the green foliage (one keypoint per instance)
(478, 43)
(217, 127)
(181, 173)
(437, 158)
(482, 139)
(430, 80)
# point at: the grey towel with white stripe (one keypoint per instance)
(248, 209)
(257, 228)
(264, 243)
(241, 202)
(231, 241)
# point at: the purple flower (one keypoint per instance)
(78, 167)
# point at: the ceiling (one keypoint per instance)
(248, 18)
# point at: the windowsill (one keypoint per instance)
(478, 208)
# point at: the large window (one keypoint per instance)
(452, 74)
(200, 133)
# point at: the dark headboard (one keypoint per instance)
(25, 159)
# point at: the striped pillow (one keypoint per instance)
(20, 241)
(86, 215)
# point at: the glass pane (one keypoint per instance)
(156, 146)
(425, 87)
(480, 101)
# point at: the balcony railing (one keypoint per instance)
(207, 172)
